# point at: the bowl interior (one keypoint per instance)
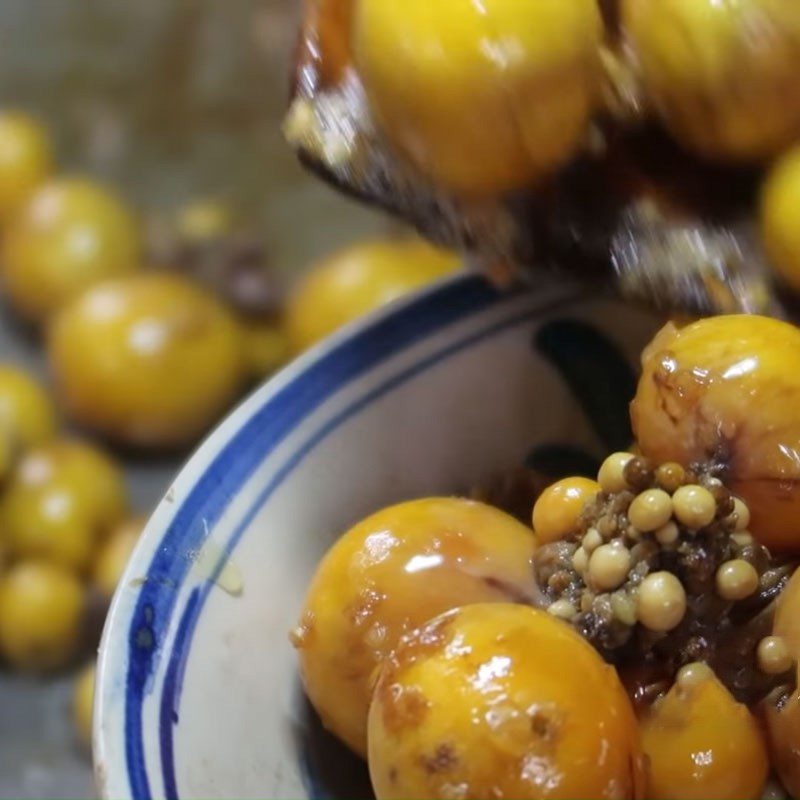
(198, 691)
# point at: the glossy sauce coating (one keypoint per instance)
(558, 508)
(501, 701)
(326, 42)
(783, 729)
(727, 389)
(703, 745)
(391, 573)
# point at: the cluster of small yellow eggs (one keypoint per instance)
(629, 514)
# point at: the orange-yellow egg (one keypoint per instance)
(501, 701)
(71, 234)
(783, 720)
(113, 555)
(722, 74)
(780, 199)
(60, 502)
(151, 360)
(558, 509)
(26, 159)
(41, 616)
(357, 280)
(390, 573)
(27, 414)
(700, 744)
(482, 98)
(727, 389)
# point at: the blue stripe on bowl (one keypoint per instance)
(235, 464)
(210, 496)
(182, 642)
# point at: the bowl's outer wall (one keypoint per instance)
(198, 695)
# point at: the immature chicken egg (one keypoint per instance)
(69, 235)
(558, 508)
(149, 360)
(727, 390)
(484, 98)
(780, 199)
(391, 573)
(723, 74)
(700, 743)
(501, 701)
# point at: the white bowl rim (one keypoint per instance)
(133, 625)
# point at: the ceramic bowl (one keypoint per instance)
(198, 694)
